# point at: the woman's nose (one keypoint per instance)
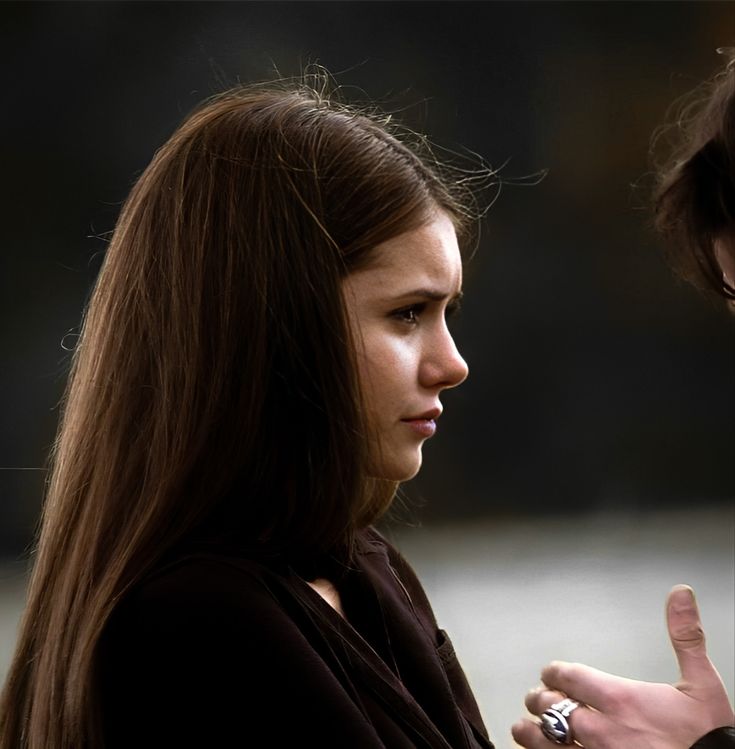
(443, 366)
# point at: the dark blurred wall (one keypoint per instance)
(597, 379)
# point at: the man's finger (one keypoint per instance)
(540, 698)
(583, 683)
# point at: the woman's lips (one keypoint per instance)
(422, 427)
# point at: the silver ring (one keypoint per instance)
(555, 722)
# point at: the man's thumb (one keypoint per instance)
(687, 636)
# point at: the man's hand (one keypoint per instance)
(618, 713)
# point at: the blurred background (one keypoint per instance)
(588, 460)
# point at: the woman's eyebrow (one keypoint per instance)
(433, 295)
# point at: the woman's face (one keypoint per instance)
(406, 356)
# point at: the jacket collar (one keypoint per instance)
(414, 644)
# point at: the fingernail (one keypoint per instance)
(682, 601)
(684, 593)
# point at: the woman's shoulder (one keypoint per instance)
(204, 572)
(211, 648)
(205, 617)
(221, 587)
(197, 594)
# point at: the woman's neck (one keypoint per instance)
(328, 591)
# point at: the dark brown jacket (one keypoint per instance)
(218, 650)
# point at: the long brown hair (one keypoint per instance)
(213, 385)
(694, 201)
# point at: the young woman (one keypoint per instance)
(261, 361)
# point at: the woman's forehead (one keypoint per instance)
(426, 257)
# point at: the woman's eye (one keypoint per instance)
(410, 314)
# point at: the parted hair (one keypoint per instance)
(213, 389)
(694, 201)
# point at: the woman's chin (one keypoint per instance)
(398, 469)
